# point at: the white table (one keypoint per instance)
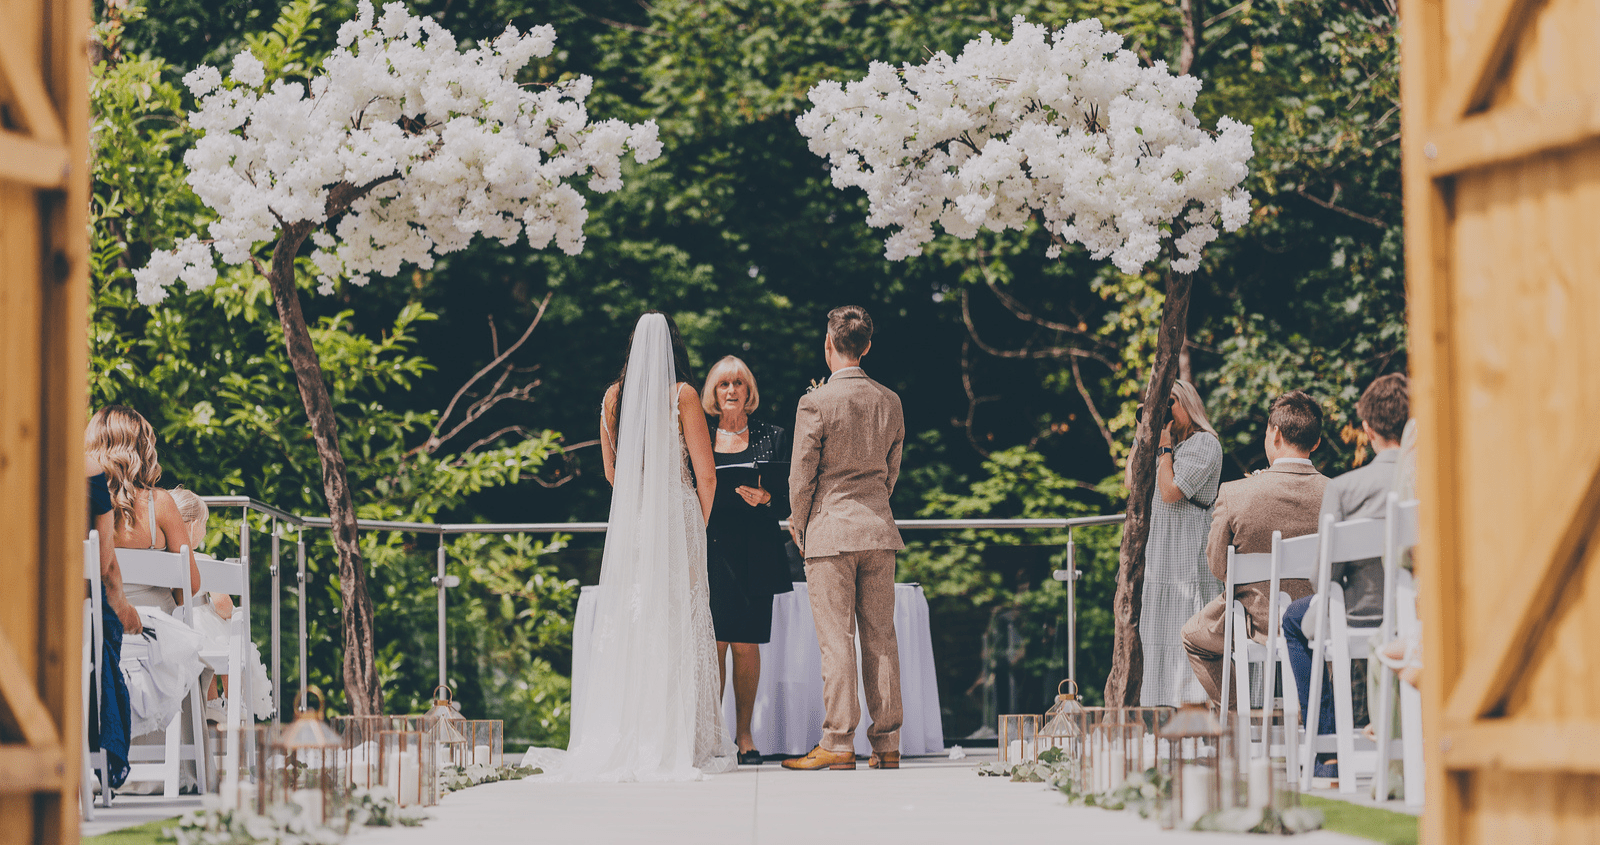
(788, 711)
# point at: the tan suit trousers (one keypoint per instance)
(1204, 634)
(847, 588)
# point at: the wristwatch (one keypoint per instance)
(1164, 450)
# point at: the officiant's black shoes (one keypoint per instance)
(822, 758)
(750, 758)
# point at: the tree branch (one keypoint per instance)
(1083, 390)
(478, 408)
(1330, 205)
(973, 400)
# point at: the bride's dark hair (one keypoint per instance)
(680, 362)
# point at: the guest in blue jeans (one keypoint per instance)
(1360, 493)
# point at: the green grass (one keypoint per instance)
(1384, 826)
(145, 834)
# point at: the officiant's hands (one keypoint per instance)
(753, 496)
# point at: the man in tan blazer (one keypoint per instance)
(847, 439)
(1286, 497)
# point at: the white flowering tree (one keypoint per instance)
(1068, 131)
(402, 148)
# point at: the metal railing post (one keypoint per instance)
(300, 593)
(443, 584)
(277, 627)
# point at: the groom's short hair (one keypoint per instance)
(850, 326)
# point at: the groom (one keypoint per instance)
(847, 437)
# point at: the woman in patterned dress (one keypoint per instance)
(1177, 582)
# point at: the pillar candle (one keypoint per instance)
(480, 755)
(1197, 786)
(310, 801)
(1260, 782)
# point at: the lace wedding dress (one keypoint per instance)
(647, 704)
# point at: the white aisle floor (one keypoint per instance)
(928, 800)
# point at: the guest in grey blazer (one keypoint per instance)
(1284, 497)
(1360, 493)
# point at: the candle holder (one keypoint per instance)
(488, 741)
(359, 755)
(305, 769)
(1019, 739)
(1065, 729)
(447, 728)
(239, 787)
(1200, 764)
(408, 766)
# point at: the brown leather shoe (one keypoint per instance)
(884, 760)
(820, 757)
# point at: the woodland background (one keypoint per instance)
(1018, 373)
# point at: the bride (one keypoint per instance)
(646, 706)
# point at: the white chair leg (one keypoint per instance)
(1344, 722)
(1383, 724)
(1291, 718)
(1411, 739)
(197, 724)
(171, 765)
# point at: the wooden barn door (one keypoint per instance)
(44, 187)
(1502, 178)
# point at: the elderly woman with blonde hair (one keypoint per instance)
(745, 560)
(1177, 580)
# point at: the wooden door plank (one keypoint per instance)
(36, 164)
(1492, 675)
(1496, 29)
(1509, 134)
(32, 100)
(20, 695)
(31, 769)
(1523, 746)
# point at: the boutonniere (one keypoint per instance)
(814, 385)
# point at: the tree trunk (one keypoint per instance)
(1127, 657)
(360, 669)
(1193, 32)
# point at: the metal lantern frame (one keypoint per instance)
(486, 742)
(1065, 729)
(1023, 729)
(306, 768)
(243, 787)
(360, 750)
(446, 727)
(408, 766)
(1120, 742)
(1201, 766)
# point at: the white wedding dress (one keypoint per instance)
(647, 704)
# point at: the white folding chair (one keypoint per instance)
(229, 577)
(1289, 559)
(1399, 620)
(167, 569)
(93, 651)
(1333, 640)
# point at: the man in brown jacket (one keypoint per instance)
(847, 438)
(1287, 497)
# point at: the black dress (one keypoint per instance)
(745, 562)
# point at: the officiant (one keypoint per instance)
(745, 560)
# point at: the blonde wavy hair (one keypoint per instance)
(195, 513)
(1189, 398)
(124, 445)
(729, 368)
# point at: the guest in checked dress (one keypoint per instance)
(1177, 582)
(745, 560)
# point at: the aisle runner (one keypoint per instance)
(788, 712)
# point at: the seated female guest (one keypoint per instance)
(745, 562)
(123, 444)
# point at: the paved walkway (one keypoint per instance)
(930, 800)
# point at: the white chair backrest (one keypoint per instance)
(91, 560)
(1406, 527)
(155, 568)
(1355, 539)
(1248, 568)
(1297, 557)
(221, 576)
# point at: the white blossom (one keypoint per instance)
(442, 144)
(1065, 127)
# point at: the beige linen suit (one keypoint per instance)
(847, 439)
(1286, 498)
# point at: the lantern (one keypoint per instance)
(239, 787)
(448, 730)
(1064, 729)
(359, 756)
(1200, 765)
(305, 769)
(407, 765)
(1120, 742)
(488, 741)
(1019, 739)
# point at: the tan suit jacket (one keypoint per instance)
(1286, 498)
(847, 439)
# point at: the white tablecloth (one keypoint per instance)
(788, 712)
